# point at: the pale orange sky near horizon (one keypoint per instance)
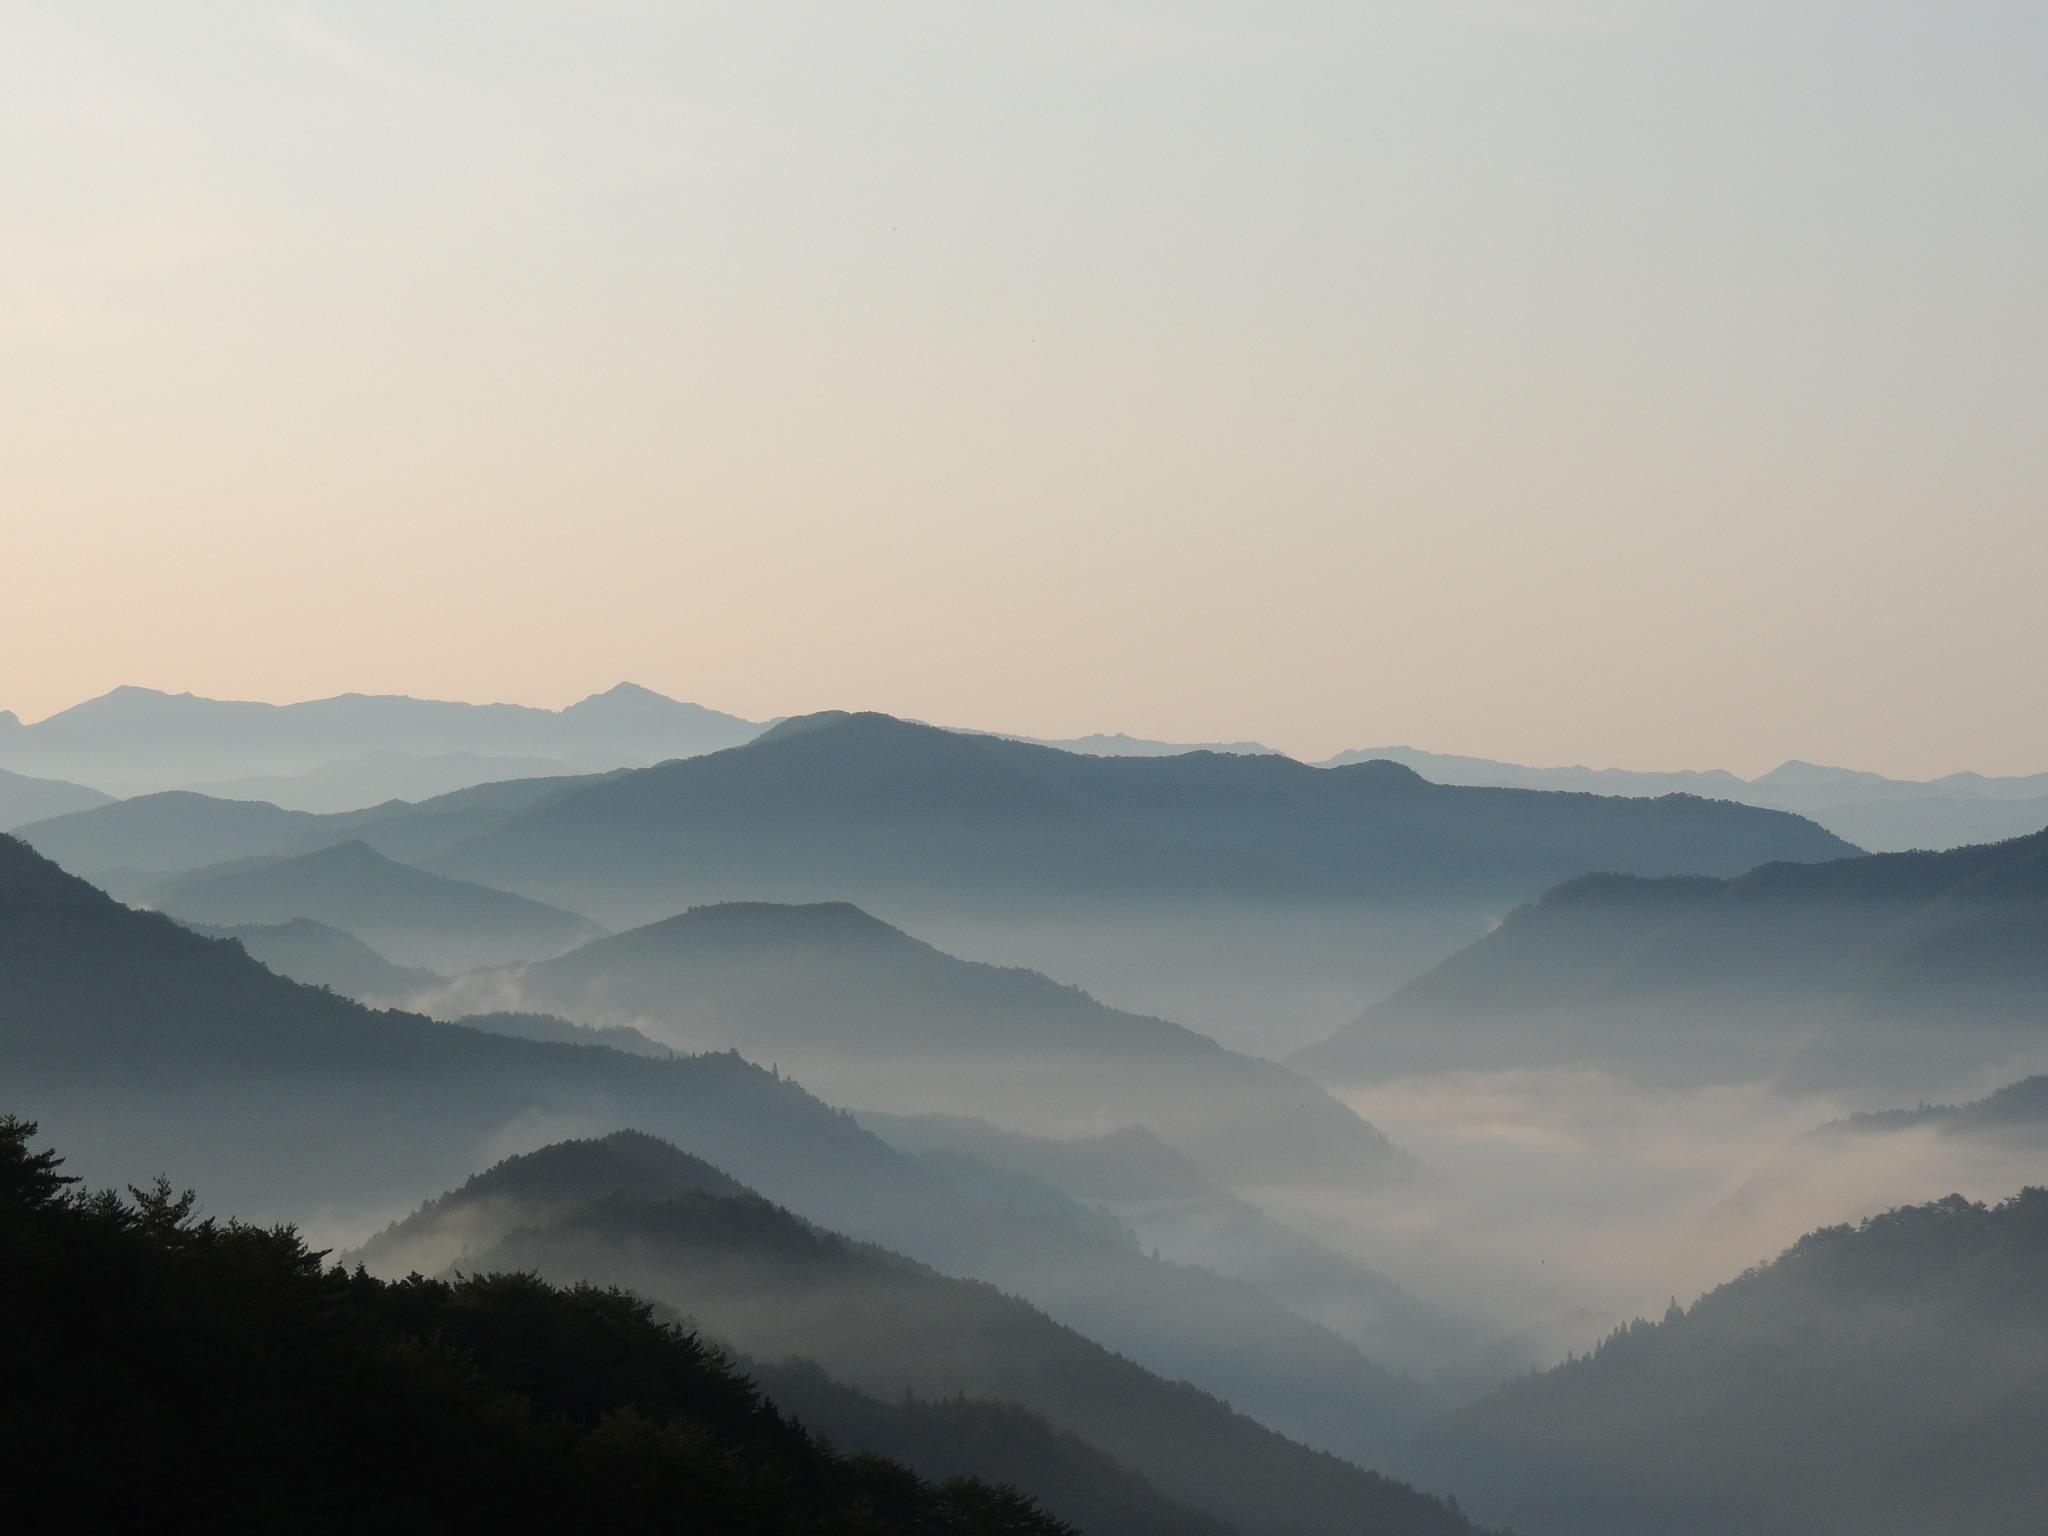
(1655, 385)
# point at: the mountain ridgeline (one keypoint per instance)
(412, 917)
(871, 805)
(1889, 970)
(628, 1211)
(136, 741)
(25, 799)
(1248, 896)
(1885, 815)
(867, 1015)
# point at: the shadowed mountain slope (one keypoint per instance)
(1873, 965)
(324, 956)
(984, 1437)
(164, 834)
(414, 917)
(866, 1014)
(147, 1045)
(1178, 1208)
(1883, 1380)
(755, 1277)
(24, 799)
(133, 846)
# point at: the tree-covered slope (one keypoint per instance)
(759, 1279)
(172, 1373)
(1888, 1379)
(1177, 1320)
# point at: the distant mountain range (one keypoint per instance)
(137, 741)
(376, 778)
(1888, 1379)
(865, 1014)
(628, 1211)
(1247, 895)
(1882, 814)
(1903, 969)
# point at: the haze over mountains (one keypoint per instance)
(1242, 895)
(271, 1092)
(24, 799)
(628, 1211)
(1884, 815)
(830, 1092)
(1888, 970)
(1249, 896)
(342, 753)
(868, 1015)
(1886, 1377)
(408, 915)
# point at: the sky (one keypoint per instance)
(1635, 382)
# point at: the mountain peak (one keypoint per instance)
(625, 693)
(735, 925)
(1380, 770)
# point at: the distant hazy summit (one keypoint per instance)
(354, 749)
(1884, 815)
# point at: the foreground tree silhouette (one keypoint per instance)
(170, 1371)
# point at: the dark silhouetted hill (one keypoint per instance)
(943, 1438)
(175, 1373)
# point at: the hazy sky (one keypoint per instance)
(1619, 381)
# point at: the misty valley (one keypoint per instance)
(631, 1116)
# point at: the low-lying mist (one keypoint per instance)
(1562, 1202)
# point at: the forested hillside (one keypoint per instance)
(138, 1396)
(1885, 1379)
